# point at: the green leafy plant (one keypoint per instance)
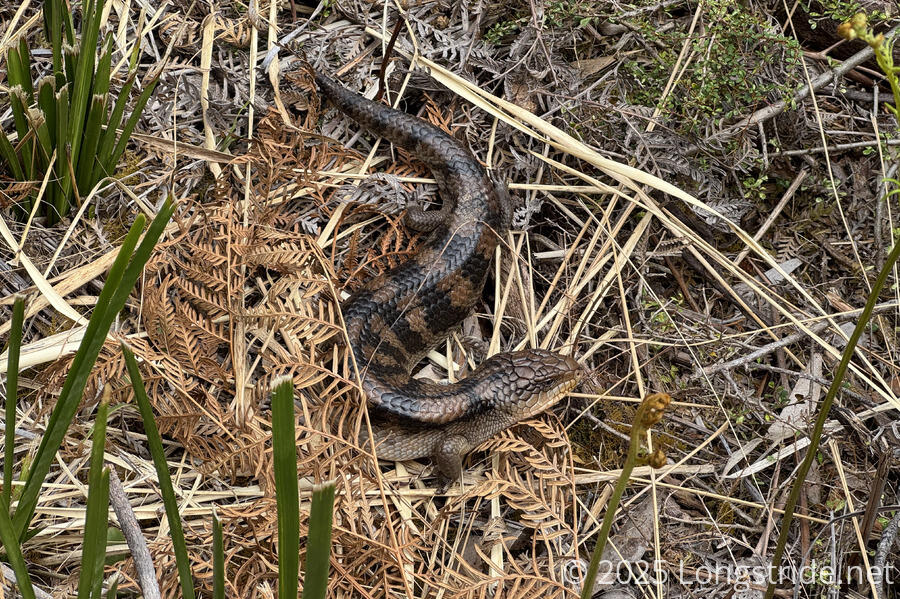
(154, 441)
(66, 123)
(833, 10)
(858, 27)
(727, 71)
(502, 30)
(123, 274)
(12, 391)
(318, 547)
(14, 527)
(97, 514)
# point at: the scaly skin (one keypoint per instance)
(537, 378)
(397, 317)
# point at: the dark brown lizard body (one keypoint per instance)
(397, 317)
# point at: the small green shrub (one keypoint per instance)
(727, 73)
(65, 123)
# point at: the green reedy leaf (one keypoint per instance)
(38, 123)
(284, 454)
(25, 58)
(136, 48)
(48, 21)
(18, 75)
(70, 59)
(102, 167)
(18, 102)
(8, 153)
(104, 68)
(318, 544)
(12, 393)
(26, 141)
(46, 101)
(14, 556)
(61, 168)
(154, 441)
(58, 20)
(67, 21)
(97, 513)
(53, 32)
(110, 163)
(89, 146)
(218, 559)
(119, 283)
(84, 76)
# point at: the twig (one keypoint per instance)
(795, 184)
(888, 536)
(836, 148)
(143, 563)
(819, 82)
(764, 350)
(681, 284)
(382, 69)
(10, 576)
(810, 377)
(647, 9)
(881, 474)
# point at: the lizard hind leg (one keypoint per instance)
(448, 456)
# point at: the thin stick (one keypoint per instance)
(764, 350)
(9, 576)
(143, 562)
(795, 185)
(819, 82)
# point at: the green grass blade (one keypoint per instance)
(70, 61)
(38, 124)
(25, 67)
(113, 589)
(111, 300)
(284, 453)
(104, 68)
(67, 21)
(318, 545)
(84, 76)
(108, 137)
(110, 163)
(61, 168)
(8, 153)
(70, 395)
(218, 559)
(18, 73)
(162, 472)
(18, 103)
(97, 512)
(136, 48)
(46, 100)
(84, 181)
(14, 551)
(58, 19)
(53, 33)
(12, 394)
(47, 16)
